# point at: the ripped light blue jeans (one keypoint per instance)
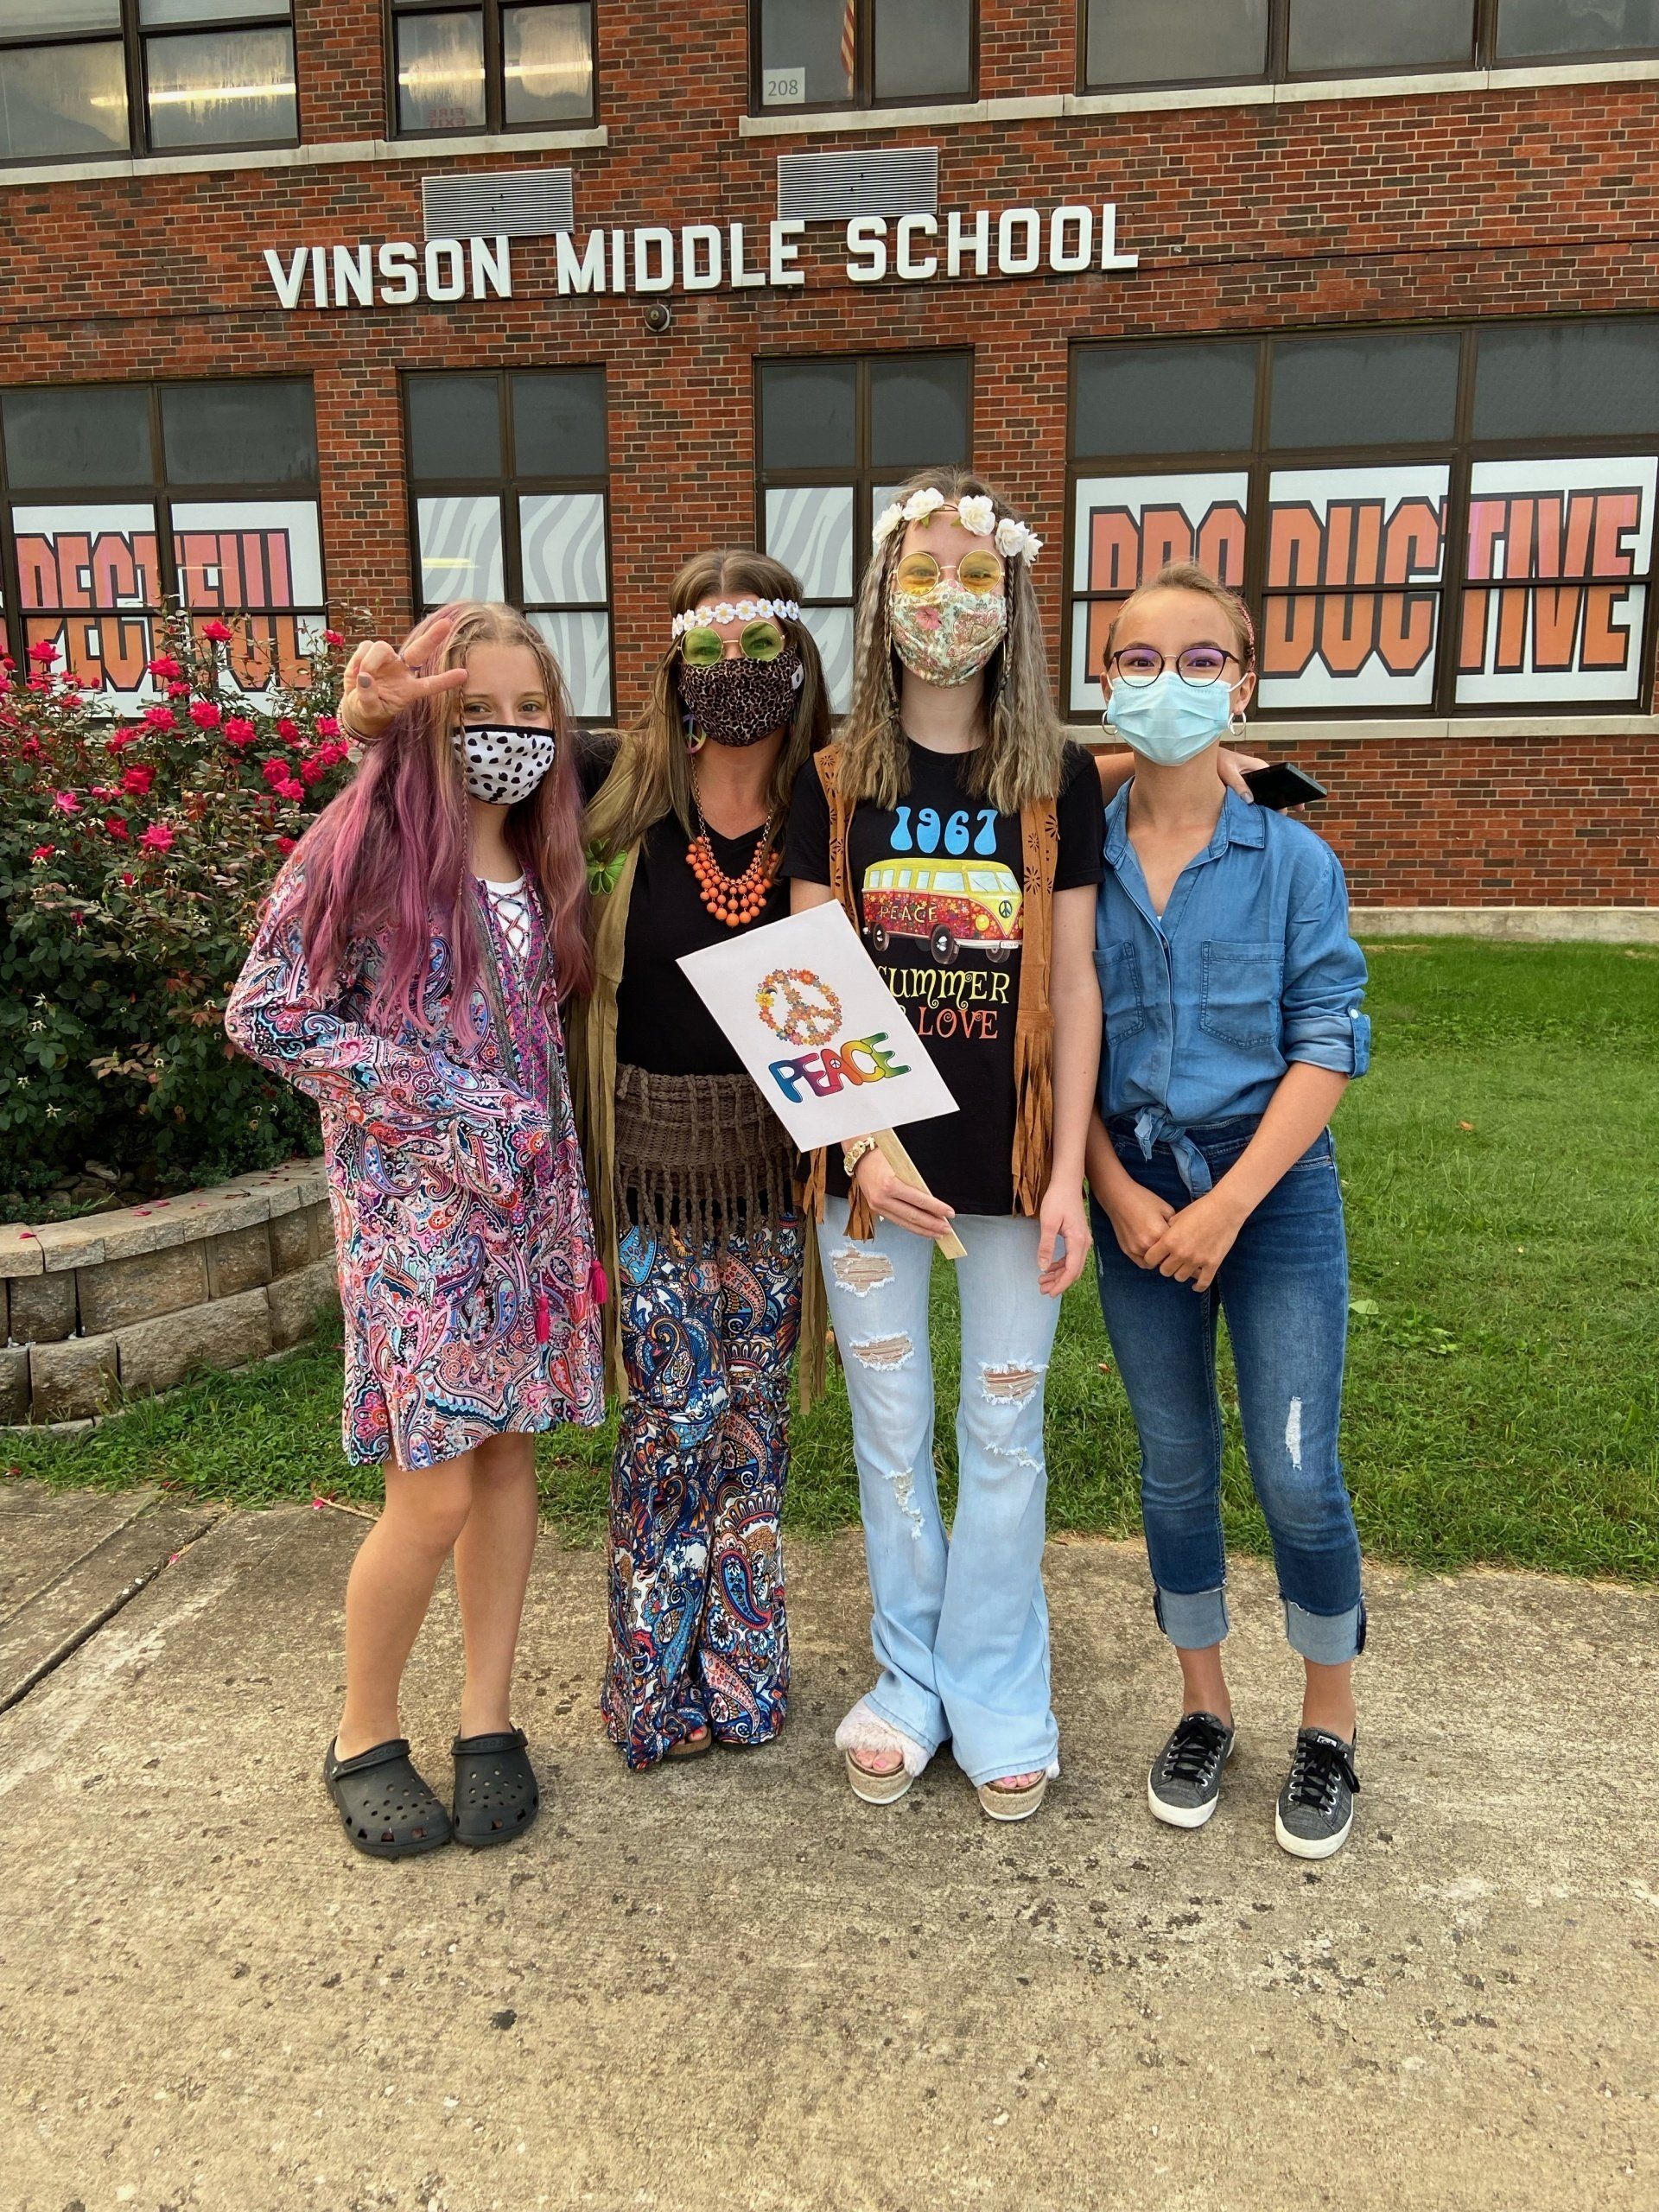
(960, 1625)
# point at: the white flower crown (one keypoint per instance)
(977, 513)
(742, 610)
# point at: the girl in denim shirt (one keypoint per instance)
(1231, 992)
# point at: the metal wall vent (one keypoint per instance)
(833, 187)
(500, 203)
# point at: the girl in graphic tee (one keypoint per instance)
(693, 1177)
(961, 833)
(406, 973)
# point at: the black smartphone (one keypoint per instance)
(1280, 784)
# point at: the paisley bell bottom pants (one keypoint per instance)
(699, 1636)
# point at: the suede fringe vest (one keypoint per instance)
(1034, 1029)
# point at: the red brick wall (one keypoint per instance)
(1511, 202)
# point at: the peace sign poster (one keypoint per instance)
(818, 1030)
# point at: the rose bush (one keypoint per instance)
(135, 848)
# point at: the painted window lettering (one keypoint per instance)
(945, 907)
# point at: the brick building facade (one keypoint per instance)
(1445, 516)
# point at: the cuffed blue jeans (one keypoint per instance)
(1283, 1288)
(960, 1626)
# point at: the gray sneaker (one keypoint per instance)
(1185, 1778)
(1316, 1806)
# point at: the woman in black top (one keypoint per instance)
(692, 1178)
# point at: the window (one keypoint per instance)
(495, 68)
(90, 77)
(120, 497)
(1424, 520)
(834, 438)
(1235, 42)
(510, 489)
(829, 53)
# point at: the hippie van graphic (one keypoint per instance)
(946, 904)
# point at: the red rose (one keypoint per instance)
(292, 789)
(66, 802)
(287, 729)
(115, 825)
(43, 652)
(312, 769)
(238, 730)
(137, 781)
(275, 771)
(286, 844)
(158, 837)
(219, 632)
(178, 691)
(164, 666)
(205, 714)
(42, 852)
(160, 718)
(326, 726)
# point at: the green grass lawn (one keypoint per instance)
(1501, 1165)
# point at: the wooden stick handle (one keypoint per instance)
(908, 1171)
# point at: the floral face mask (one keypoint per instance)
(947, 634)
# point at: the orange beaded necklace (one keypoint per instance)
(734, 899)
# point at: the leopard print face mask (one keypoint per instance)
(739, 702)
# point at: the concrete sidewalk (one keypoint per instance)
(729, 1985)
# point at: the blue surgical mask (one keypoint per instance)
(1169, 721)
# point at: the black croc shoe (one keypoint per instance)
(496, 1796)
(383, 1806)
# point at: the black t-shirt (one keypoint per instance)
(939, 884)
(661, 1023)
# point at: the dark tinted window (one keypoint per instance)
(808, 414)
(1585, 380)
(255, 430)
(918, 411)
(924, 48)
(1530, 26)
(1164, 399)
(98, 436)
(455, 426)
(1336, 35)
(1375, 387)
(1201, 42)
(558, 422)
(807, 36)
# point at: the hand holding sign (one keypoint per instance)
(822, 1035)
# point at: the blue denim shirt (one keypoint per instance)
(1250, 968)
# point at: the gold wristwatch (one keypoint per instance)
(852, 1154)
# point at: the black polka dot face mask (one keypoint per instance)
(504, 761)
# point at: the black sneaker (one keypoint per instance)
(1316, 1806)
(1185, 1778)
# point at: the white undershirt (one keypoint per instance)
(510, 904)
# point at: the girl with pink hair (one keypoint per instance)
(407, 974)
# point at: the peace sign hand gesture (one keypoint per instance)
(380, 682)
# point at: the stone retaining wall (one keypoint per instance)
(132, 1300)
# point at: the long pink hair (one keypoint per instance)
(388, 859)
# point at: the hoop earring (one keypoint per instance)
(1236, 726)
(1106, 721)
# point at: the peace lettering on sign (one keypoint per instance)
(849, 1063)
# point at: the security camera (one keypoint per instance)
(659, 317)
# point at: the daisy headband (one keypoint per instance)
(977, 513)
(741, 610)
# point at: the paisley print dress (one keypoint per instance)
(467, 1274)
